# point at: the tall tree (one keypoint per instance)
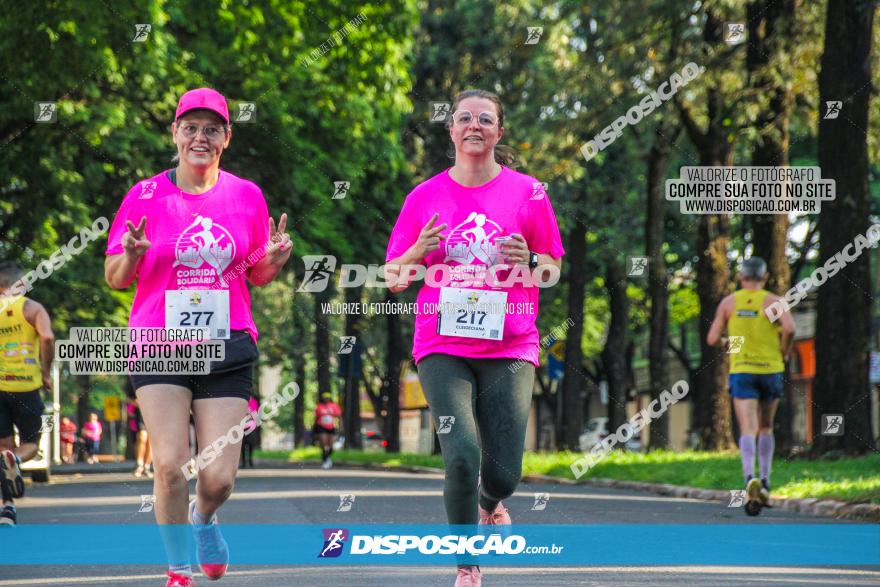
(573, 379)
(394, 358)
(771, 34)
(351, 370)
(322, 343)
(658, 280)
(843, 318)
(614, 354)
(768, 62)
(712, 415)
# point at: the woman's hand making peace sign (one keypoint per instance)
(133, 241)
(280, 244)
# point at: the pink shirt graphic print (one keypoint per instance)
(197, 242)
(511, 203)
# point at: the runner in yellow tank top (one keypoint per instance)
(26, 353)
(757, 348)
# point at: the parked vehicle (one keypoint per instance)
(597, 429)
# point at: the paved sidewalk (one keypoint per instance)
(86, 469)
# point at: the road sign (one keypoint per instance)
(111, 409)
(556, 360)
(412, 396)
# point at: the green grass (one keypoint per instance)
(849, 479)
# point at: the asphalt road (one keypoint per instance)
(311, 496)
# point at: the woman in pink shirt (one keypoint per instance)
(92, 431)
(489, 239)
(192, 237)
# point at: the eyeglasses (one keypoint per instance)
(211, 132)
(464, 117)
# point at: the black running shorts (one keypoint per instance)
(24, 409)
(231, 377)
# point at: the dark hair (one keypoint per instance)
(754, 268)
(9, 273)
(504, 154)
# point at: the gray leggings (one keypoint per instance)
(490, 400)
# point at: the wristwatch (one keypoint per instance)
(533, 259)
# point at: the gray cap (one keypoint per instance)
(754, 268)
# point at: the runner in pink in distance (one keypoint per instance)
(324, 430)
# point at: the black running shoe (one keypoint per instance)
(7, 516)
(10, 475)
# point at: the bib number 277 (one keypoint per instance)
(192, 308)
(196, 318)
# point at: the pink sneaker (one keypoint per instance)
(469, 577)
(211, 549)
(499, 516)
(175, 580)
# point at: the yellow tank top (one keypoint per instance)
(759, 351)
(19, 350)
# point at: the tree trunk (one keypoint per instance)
(83, 407)
(394, 358)
(843, 306)
(711, 413)
(658, 281)
(712, 417)
(352, 372)
(299, 404)
(771, 35)
(322, 349)
(322, 345)
(573, 382)
(614, 353)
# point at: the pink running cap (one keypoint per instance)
(203, 98)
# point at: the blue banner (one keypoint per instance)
(522, 545)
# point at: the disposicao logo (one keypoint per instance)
(334, 540)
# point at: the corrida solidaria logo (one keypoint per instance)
(334, 541)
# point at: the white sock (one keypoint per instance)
(199, 518)
(181, 569)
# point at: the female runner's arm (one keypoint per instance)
(427, 242)
(121, 269)
(277, 254)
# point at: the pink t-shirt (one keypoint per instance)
(92, 430)
(475, 216)
(325, 414)
(197, 241)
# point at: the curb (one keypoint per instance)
(373, 466)
(863, 512)
(86, 469)
(828, 507)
